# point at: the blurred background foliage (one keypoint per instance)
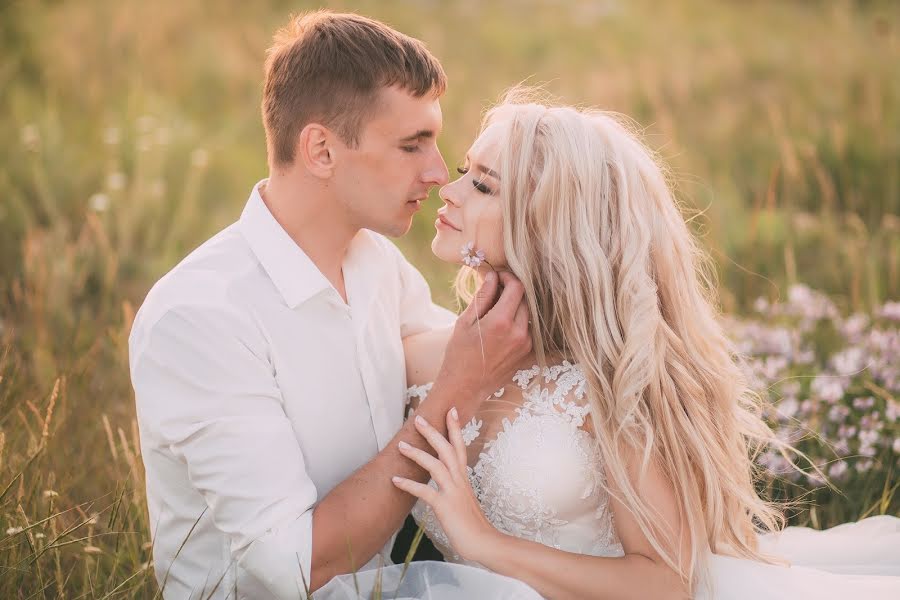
(131, 132)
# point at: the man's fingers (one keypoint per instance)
(522, 318)
(509, 300)
(484, 297)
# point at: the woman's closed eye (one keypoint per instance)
(478, 185)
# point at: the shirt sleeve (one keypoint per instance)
(418, 312)
(206, 391)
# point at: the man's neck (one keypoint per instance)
(315, 221)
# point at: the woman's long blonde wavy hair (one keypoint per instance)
(615, 281)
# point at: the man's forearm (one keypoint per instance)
(357, 517)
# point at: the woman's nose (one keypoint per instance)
(446, 194)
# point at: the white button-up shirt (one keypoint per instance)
(258, 390)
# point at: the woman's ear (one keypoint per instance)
(315, 149)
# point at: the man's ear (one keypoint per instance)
(315, 147)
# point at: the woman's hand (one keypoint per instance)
(454, 501)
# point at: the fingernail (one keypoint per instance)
(396, 479)
(490, 277)
(421, 421)
(454, 414)
(404, 446)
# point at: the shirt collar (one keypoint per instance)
(294, 274)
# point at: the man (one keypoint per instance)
(268, 365)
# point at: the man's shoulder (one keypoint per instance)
(206, 279)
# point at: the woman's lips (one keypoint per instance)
(442, 220)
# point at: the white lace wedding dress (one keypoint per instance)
(537, 475)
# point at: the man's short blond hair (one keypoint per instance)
(328, 68)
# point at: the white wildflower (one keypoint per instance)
(863, 403)
(470, 256)
(828, 388)
(815, 479)
(31, 137)
(849, 361)
(116, 181)
(842, 447)
(838, 413)
(99, 202)
(761, 305)
(892, 411)
(891, 310)
(805, 357)
(788, 407)
(838, 469)
(14, 530)
(854, 326)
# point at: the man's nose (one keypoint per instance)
(436, 173)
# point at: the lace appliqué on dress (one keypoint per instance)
(540, 478)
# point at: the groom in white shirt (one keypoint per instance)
(268, 365)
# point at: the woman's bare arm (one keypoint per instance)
(640, 574)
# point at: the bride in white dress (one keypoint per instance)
(616, 463)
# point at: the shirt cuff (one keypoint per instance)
(278, 558)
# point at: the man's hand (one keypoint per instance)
(489, 340)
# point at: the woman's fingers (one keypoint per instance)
(445, 451)
(456, 439)
(436, 468)
(419, 490)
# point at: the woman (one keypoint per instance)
(618, 461)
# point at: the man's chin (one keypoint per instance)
(394, 230)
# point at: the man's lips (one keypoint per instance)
(447, 222)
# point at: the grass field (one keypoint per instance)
(132, 132)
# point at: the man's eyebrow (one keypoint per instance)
(422, 133)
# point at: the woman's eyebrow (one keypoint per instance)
(484, 169)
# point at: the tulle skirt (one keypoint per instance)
(859, 561)
(430, 580)
(853, 561)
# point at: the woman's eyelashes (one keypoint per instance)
(475, 183)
